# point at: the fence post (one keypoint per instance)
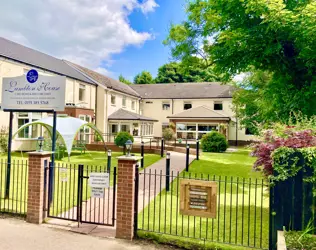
(136, 199)
(167, 171)
(35, 195)
(142, 155)
(187, 158)
(162, 147)
(125, 216)
(109, 161)
(197, 149)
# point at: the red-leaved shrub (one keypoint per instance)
(290, 138)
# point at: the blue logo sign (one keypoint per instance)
(32, 76)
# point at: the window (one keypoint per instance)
(133, 105)
(125, 128)
(85, 132)
(124, 101)
(187, 105)
(82, 92)
(147, 129)
(114, 128)
(218, 106)
(165, 105)
(30, 131)
(248, 131)
(113, 99)
(194, 130)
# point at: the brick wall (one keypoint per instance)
(35, 196)
(125, 198)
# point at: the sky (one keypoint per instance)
(112, 37)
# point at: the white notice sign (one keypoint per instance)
(99, 180)
(63, 172)
(34, 91)
(97, 192)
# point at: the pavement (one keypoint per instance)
(18, 235)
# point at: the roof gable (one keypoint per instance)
(123, 114)
(200, 112)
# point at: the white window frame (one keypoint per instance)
(30, 117)
(133, 105)
(114, 98)
(164, 107)
(124, 101)
(86, 130)
(82, 87)
(218, 102)
(196, 131)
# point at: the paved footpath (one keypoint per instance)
(19, 235)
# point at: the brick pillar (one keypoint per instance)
(35, 195)
(125, 197)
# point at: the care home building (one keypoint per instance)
(142, 110)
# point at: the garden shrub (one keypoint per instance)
(168, 134)
(121, 138)
(214, 142)
(4, 139)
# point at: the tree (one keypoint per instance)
(278, 37)
(169, 73)
(121, 138)
(193, 70)
(124, 80)
(143, 78)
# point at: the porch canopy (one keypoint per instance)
(124, 115)
(195, 122)
(67, 128)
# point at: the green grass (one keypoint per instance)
(65, 194)
(242, 209)
(237, 164)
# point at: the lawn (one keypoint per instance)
(242, 204)
(65, 182)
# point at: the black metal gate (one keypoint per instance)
(70, 197)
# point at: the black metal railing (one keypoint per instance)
(242, 209)
(71, 197)
(13, 187)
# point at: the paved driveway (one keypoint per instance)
(19, 235)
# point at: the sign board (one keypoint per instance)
(99, 180)
(63, 174)
(198, 198)
(97, 192)
(34, 92)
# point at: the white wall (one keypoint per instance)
(118, 104)
(153, 108)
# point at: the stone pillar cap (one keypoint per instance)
(129, 158)
(40, 153)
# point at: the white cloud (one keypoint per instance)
(148, 6)
(83, 31)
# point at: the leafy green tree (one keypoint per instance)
(169, 73)
(124, 80)
(143, 78)
(121, 138)
(193, 70)
(275, 36)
